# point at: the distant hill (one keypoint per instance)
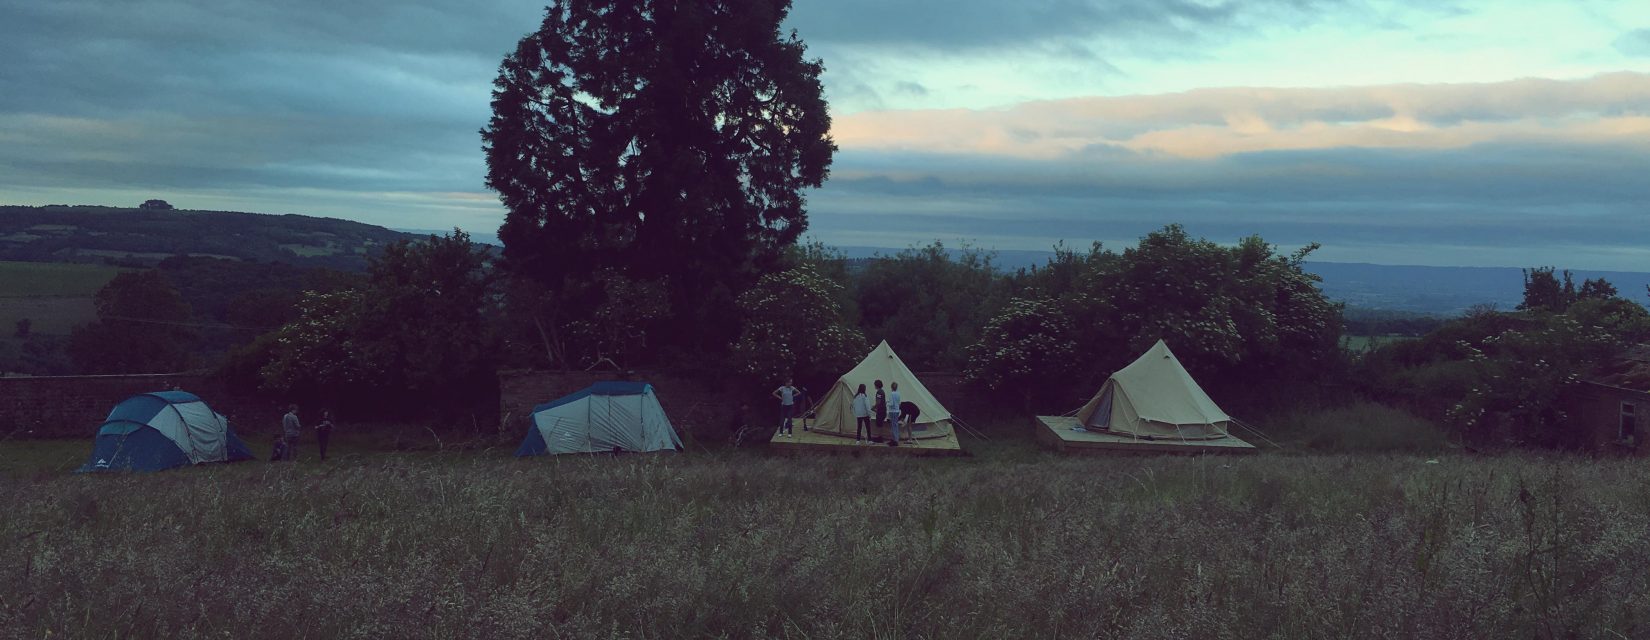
(142, 237)
(1415, 289)
(478, 238)
(1447, 290)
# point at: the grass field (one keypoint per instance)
(53, 296)
(1013, 542)
(27, 279)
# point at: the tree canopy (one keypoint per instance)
(794, 327)
(142, 327)
(415, 337)
(1241, 318)
(653, 138)
(1503, 377)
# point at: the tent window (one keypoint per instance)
(1629, 423)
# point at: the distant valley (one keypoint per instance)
(1439, 291)
(141, 237)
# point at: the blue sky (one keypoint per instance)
(1449, 133)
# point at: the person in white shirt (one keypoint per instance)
(291, 429)
(862, 417)
(787, 407)
(893, 412)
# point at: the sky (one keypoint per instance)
(1475, 133)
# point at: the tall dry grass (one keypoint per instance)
(1019, 545)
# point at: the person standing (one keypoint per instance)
(323, 433)
(879, 406)
(802, 407)
(893, 411)
(787, 407)
(862, 417)
(291, 430)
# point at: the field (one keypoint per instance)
(1013, 542)
(1359, 344)
(53, 296)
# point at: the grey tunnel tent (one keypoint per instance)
(163, 430)
(603, 417)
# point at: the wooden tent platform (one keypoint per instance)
(810, 442)
(1056, 433)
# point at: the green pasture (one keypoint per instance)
(52, 279)
(1359, 344)
(54, 297)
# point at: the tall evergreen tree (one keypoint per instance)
(657, 138)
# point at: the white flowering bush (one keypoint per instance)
(1502, 378)
(1026, 350)
(321, 349)
(795, 326)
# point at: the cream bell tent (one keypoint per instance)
(1154, 398)
(834, 415)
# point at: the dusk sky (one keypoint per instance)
(1492, 133)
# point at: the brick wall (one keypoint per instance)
(74, 406)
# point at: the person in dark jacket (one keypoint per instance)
(879, 406)
(323, 433)
(908, 413)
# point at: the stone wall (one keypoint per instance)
(74, 406)
(698, 406)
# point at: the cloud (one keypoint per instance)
(332, 108)
(369, 110)
(973, 25)
(1559, 200)
(1218, 122)
(1634, 43)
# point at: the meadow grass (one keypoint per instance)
(1358, 427)
(1014, 542)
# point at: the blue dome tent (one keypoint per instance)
(161, 430)
(604, 417)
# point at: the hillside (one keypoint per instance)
(93, 234)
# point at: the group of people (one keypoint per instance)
(886, 409)
(292, 430)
